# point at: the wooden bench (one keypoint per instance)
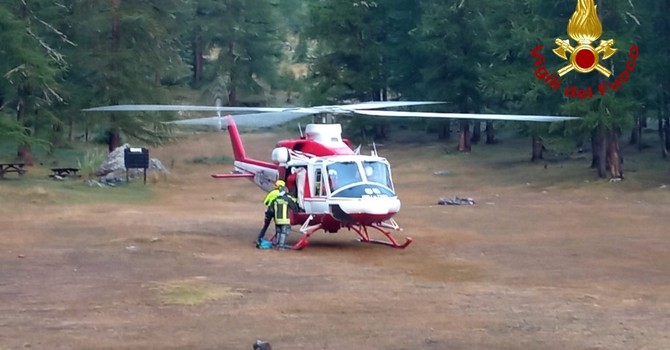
(12, 168)
(64, 172)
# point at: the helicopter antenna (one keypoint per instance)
(327, 118)
(374, 145)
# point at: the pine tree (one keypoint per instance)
(31, 69)
(453, 39)
(608, 113)
(126, 50)
(247, 38)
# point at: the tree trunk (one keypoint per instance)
(198, 61)
(25, 153)
(232, 95)
(661, 112)
(476, 132)
(595, 151)
(635, 133)
(114, 140)
(116, 24)
(538, 148)
(614, 155)
(232, 91)
(380, 131)
(444, 130)
(660, 126)
(602, 155)
(490, 133)
(70, 130)
(464, 139)
(666, 137)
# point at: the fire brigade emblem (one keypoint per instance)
(584, 27)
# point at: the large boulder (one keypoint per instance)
(113, 168)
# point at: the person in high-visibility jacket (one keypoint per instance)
(281, 206)
(269, 211)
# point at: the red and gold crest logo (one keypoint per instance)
(584, 27)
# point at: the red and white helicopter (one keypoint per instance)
(336, 186)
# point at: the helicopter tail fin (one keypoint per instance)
(236, 140)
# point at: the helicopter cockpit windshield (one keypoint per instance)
(341, 174)
(344, 177)
(378, 172)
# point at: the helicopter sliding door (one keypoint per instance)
(317, 202)
(300, 179)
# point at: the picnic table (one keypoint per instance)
(12, 168)
(64, 172)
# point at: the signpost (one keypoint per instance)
(136, 158)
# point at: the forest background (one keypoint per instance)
(59, 57)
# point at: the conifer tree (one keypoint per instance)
(247, 39)
(31, 70)
(128, 48)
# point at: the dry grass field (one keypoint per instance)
(549, 258)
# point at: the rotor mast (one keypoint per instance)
(327, 118)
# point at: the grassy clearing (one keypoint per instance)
(38, 189)
(212, 160)
(60, 157)
(504, 164)
(192, 291)
(508, 164)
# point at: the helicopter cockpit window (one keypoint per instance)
(342, 174)
(378, 172)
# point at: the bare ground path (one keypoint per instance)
(528, 267)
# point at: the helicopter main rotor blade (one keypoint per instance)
(250, 120)
(285, 114)
(303, 111)
(208, 121)
(511, 117)
(180, 108)
(386, 104)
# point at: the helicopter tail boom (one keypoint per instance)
(263, 174)
(236, 140)
(238, 147)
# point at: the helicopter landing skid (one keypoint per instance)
(307, 231)
(362, 232)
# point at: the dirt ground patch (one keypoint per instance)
(527, 267)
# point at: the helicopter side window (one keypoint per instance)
(318, 183)
(291, 182)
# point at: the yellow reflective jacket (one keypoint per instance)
(281, 205)
(270, 197)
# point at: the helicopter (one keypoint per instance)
(336, 186)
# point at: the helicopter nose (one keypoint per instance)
(374, 206)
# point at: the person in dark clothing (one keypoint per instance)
(269, 214)
(281, 205)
